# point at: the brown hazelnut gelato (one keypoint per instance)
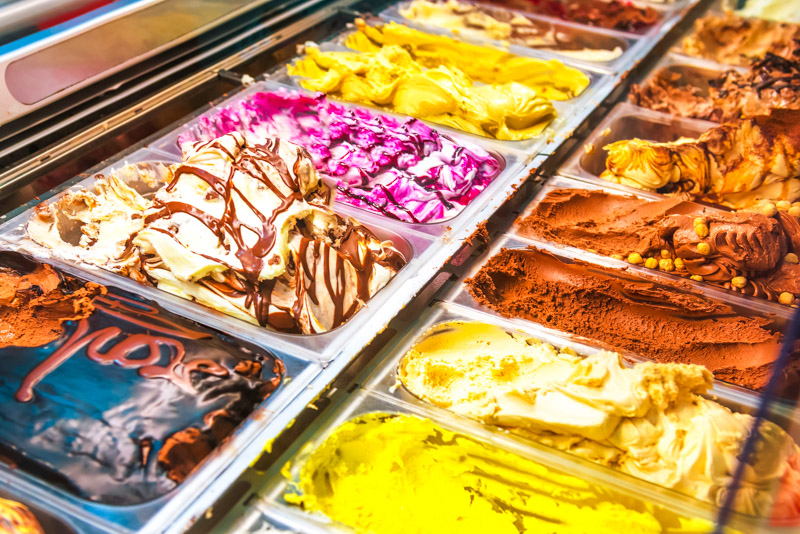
(618, 310)
(736, 40)
(756, 252)
(742, 164)
(34, 306)
(771, 82)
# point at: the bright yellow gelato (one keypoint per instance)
(549, 78)
(387, 474)
(391, 78)
(649, 421)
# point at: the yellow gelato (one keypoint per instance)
(649, 421)
(392, 79)
(549, 78)
(16, 518)
(387, 474)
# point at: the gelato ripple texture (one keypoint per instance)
(398, 167)
(433, 77)
(770, 82)
(114, 400)
(738, 41)
(487, 22)
(750, 253)
(241, 226)
(649, 421)
(745, 164)
(376, 464)
(624, 312)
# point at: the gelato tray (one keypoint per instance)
(115, 406)
(540, 100)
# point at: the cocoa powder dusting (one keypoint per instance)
(626, 313)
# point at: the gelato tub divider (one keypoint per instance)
(593, 38)
(272, 486)
(29, 479)
(626, 121)
(560, 182)
(571, 113)
(776, 319)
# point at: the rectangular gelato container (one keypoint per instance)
(272, 505)
(594, 38)
(560, 182)
(460, 295)
(382, 381)
(571, 113)
(424, 254)
(626, 121)
(38, 476)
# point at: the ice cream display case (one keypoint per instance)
(255, 309)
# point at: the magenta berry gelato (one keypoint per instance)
(399, 167)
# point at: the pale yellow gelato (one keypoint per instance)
(489, 22)
(649, 421)
(399, 474)
(780, 10)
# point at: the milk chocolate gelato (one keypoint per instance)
(614, 14)
(736, 40)
(750, 253)
(771, 82)
(618, 310)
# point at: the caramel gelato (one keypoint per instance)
(750, 253)
(244, 227)
(487, 22)
(771, 82)
(751, 163)
(650, 421)
(737, 40)
(16, 518)
(660, 321)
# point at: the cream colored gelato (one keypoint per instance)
(241, 227)
(649, 421)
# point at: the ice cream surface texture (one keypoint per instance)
(624, 312)
(548, 78)
(377, 464)
(742, 164)
(649, 421)
(737, 41)
(750, 253)
(16, 518)
(115, 400)
(487, 22)
(243, 227)
(613, 14)
(398, 167)
(771, 82)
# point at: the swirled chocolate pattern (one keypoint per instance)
(121, 402)
(757, 250)
(625, 312)
(242, 226)
(742, 164)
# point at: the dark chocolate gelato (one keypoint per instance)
(614, 14)
(621, 311)
(115, 399)
(749, 253)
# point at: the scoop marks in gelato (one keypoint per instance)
(650, 420)
(243, 227)
(378, 465)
